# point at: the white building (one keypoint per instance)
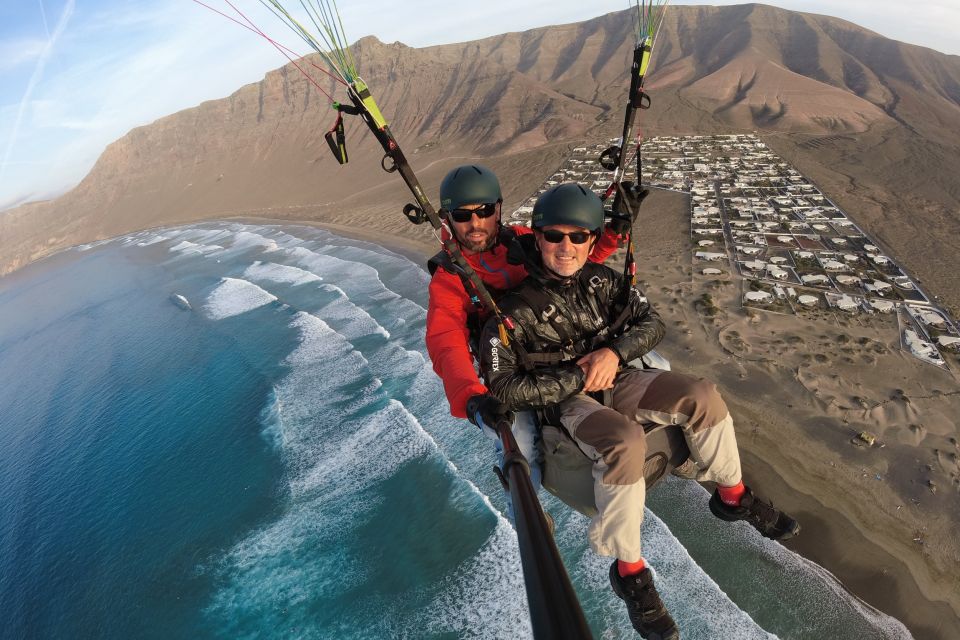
(883, 306)
(833, 265)
(758, 296)
(776, 272)
(878, 287)
(712, 257)
(949, 342)
(846, 303)
(932, 319)
(921, 348)
(817, 278)
(903, 282)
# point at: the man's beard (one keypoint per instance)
(478, 245)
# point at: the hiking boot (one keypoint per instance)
(769, 521)
(646, 610)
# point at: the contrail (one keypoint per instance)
(43, 14)
(35, 78)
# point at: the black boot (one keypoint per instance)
(770, 522)
(647, 613)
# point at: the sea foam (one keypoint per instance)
(233, 297)
(279, 273)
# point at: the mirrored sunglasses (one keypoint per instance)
(576, 237)
(464, 215)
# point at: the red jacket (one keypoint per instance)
(448, 337)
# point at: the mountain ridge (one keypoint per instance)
(791, 76)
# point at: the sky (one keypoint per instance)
(77, 74)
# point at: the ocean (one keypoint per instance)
(280, 461)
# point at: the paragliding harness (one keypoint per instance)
(567, 468)
(538, 300)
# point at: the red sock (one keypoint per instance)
(630, 568)
(732, 495)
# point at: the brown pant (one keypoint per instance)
(614, 439)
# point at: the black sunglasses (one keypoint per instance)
(556, 237)
(464, 215)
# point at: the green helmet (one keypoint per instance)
(469, 184)
(569, 203)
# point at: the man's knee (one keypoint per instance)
(695, 398)
(621, 443)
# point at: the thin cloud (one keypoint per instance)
(43, 15)
(19, 52)
(35, 78)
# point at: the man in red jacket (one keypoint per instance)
(471, 197)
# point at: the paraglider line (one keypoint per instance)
(286, 51)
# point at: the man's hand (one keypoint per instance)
(601, 368)
(626, 205)
(487, 409)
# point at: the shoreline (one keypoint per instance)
(867, 569)
(413, 250)
(868, 566)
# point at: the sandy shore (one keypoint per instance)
(795, 434)
(798, 393)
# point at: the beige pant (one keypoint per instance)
(614, 439)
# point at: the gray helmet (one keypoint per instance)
(469, 184)
(569, 203)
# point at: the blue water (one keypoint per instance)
(279, 462)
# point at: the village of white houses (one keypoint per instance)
(756, 219)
